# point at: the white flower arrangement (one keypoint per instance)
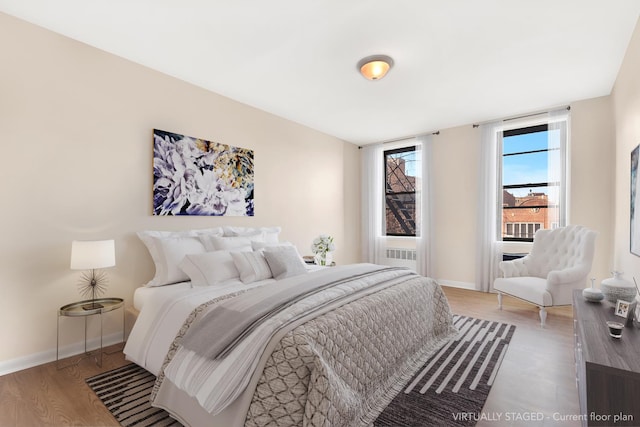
(323, 244)
(322, 247)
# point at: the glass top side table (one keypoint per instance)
(85, 309)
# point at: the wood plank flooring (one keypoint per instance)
(46, 396)
(537, 374)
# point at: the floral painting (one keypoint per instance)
(192, 176)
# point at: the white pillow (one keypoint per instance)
(284, 261)
(260, 246)
(252, 266)
(167, 248)
(270, 233)
(211, 268)
(173, 250)
(215, 231)
(218, 243)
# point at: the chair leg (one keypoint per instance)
(500, 300)
(543, 316)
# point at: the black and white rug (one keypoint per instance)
(449, 389)
(125, 392)
(452, 387)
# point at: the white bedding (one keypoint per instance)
(331, 368)
(163, 309)
(142, 294)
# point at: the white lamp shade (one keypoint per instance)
(88, 255)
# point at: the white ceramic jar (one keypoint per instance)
(615, 288)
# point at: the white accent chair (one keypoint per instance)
(559, 262)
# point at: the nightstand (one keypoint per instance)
(85, 309)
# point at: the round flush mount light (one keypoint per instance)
(375, 67)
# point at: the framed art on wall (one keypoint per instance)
(192, 176)
(634, 233)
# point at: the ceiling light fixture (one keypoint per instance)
(375, 67)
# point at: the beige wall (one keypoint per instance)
(592, 170)
(455, 202)
(455, 177)
(626, 110)
(77, 164)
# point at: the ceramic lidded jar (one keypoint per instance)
(615, 288)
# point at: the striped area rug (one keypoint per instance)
(125, 392)
(451, 388)
(448, 390)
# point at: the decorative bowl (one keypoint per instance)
(592, 294)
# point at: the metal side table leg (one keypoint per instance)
(58, 343)
(101, 322)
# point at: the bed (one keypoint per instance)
(330, 346)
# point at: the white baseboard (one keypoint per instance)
(455, 284)
(36, 359)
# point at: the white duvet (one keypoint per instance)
(163, 313)
(163, 310)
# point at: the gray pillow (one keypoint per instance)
(284, 261)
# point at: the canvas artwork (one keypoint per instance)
(192, 176)
(635, 204)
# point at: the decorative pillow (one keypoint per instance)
(252, 266)
(270, 233)
(167, 248)
(218, 243)
(284, 261)
(211, 268)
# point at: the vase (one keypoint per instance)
(323, 258)
(616, 288)
(592, 294)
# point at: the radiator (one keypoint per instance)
(401, 257)
(401, 253)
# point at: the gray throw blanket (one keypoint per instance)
(227, 323)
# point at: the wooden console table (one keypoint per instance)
(607, 369)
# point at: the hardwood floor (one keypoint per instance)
(46, 396)
(537, 374)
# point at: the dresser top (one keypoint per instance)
(597, 346)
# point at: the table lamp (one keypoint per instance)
(92, 256)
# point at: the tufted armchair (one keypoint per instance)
(559, 262)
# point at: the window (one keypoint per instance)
(400, 191)
(532, 180)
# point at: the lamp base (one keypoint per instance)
(92, 306)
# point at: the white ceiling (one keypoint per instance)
(456, 61)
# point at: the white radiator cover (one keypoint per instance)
(401, 257)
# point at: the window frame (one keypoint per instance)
(385, 154)
(559, 185)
